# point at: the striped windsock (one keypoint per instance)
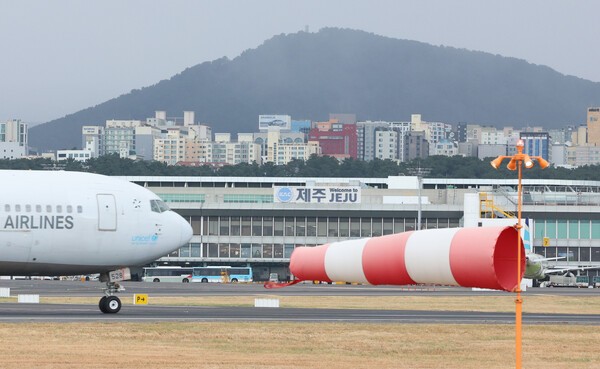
(468, 257)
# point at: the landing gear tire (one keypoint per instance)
(110, 304)
(102, 304)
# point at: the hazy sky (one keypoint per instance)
(58, 57)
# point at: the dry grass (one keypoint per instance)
(532, 303)
(308, 345)
(292, 345)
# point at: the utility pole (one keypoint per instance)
(419, 173)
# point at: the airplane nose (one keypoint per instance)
(186, 232)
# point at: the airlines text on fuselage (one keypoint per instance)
(14, 222)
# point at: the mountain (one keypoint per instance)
(309, 75)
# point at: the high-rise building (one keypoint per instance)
(221, 153)
(558, 154)
(336, 139)
(288, 152)
(198, 151)
(536, 144)
(365, 138)
(415, 146)
(468, 149)
(473, 133)
(14, 130)
(262, 139)
(13, 139)
(593, 126)
(170, 148)
(375, 140)
(119, 137)
(386, 144)
(282, 150)
(583, 155)
(434, 131)
(492, 136)
(576, 135)
(445, 147)
(461, 132)
(93, 140)
(144, 142)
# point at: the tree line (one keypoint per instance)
(315, 166)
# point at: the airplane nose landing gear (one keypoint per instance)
(111, 304)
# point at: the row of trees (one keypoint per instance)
(316, 166)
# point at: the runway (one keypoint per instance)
(94, 288)
(13, 312)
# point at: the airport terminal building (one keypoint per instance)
(258, 221)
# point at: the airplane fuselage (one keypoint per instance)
(535, 267)
(64, 223)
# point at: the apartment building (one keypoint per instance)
(13, 139)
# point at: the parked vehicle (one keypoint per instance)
(582, 281)
(167, 274)
(562, 281)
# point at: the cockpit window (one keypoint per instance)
(163, 207)
(158, 206)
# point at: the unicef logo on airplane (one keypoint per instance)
(144, 239)
(284, 194)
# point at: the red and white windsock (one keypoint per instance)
(467, 257)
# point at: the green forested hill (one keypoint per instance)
(309, 75)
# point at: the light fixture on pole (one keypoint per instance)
(516, 163)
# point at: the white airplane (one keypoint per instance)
(537, 267)
(71, 223)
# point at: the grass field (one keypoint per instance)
(292, 345)
(308, 345)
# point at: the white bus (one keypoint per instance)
(167, 274)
